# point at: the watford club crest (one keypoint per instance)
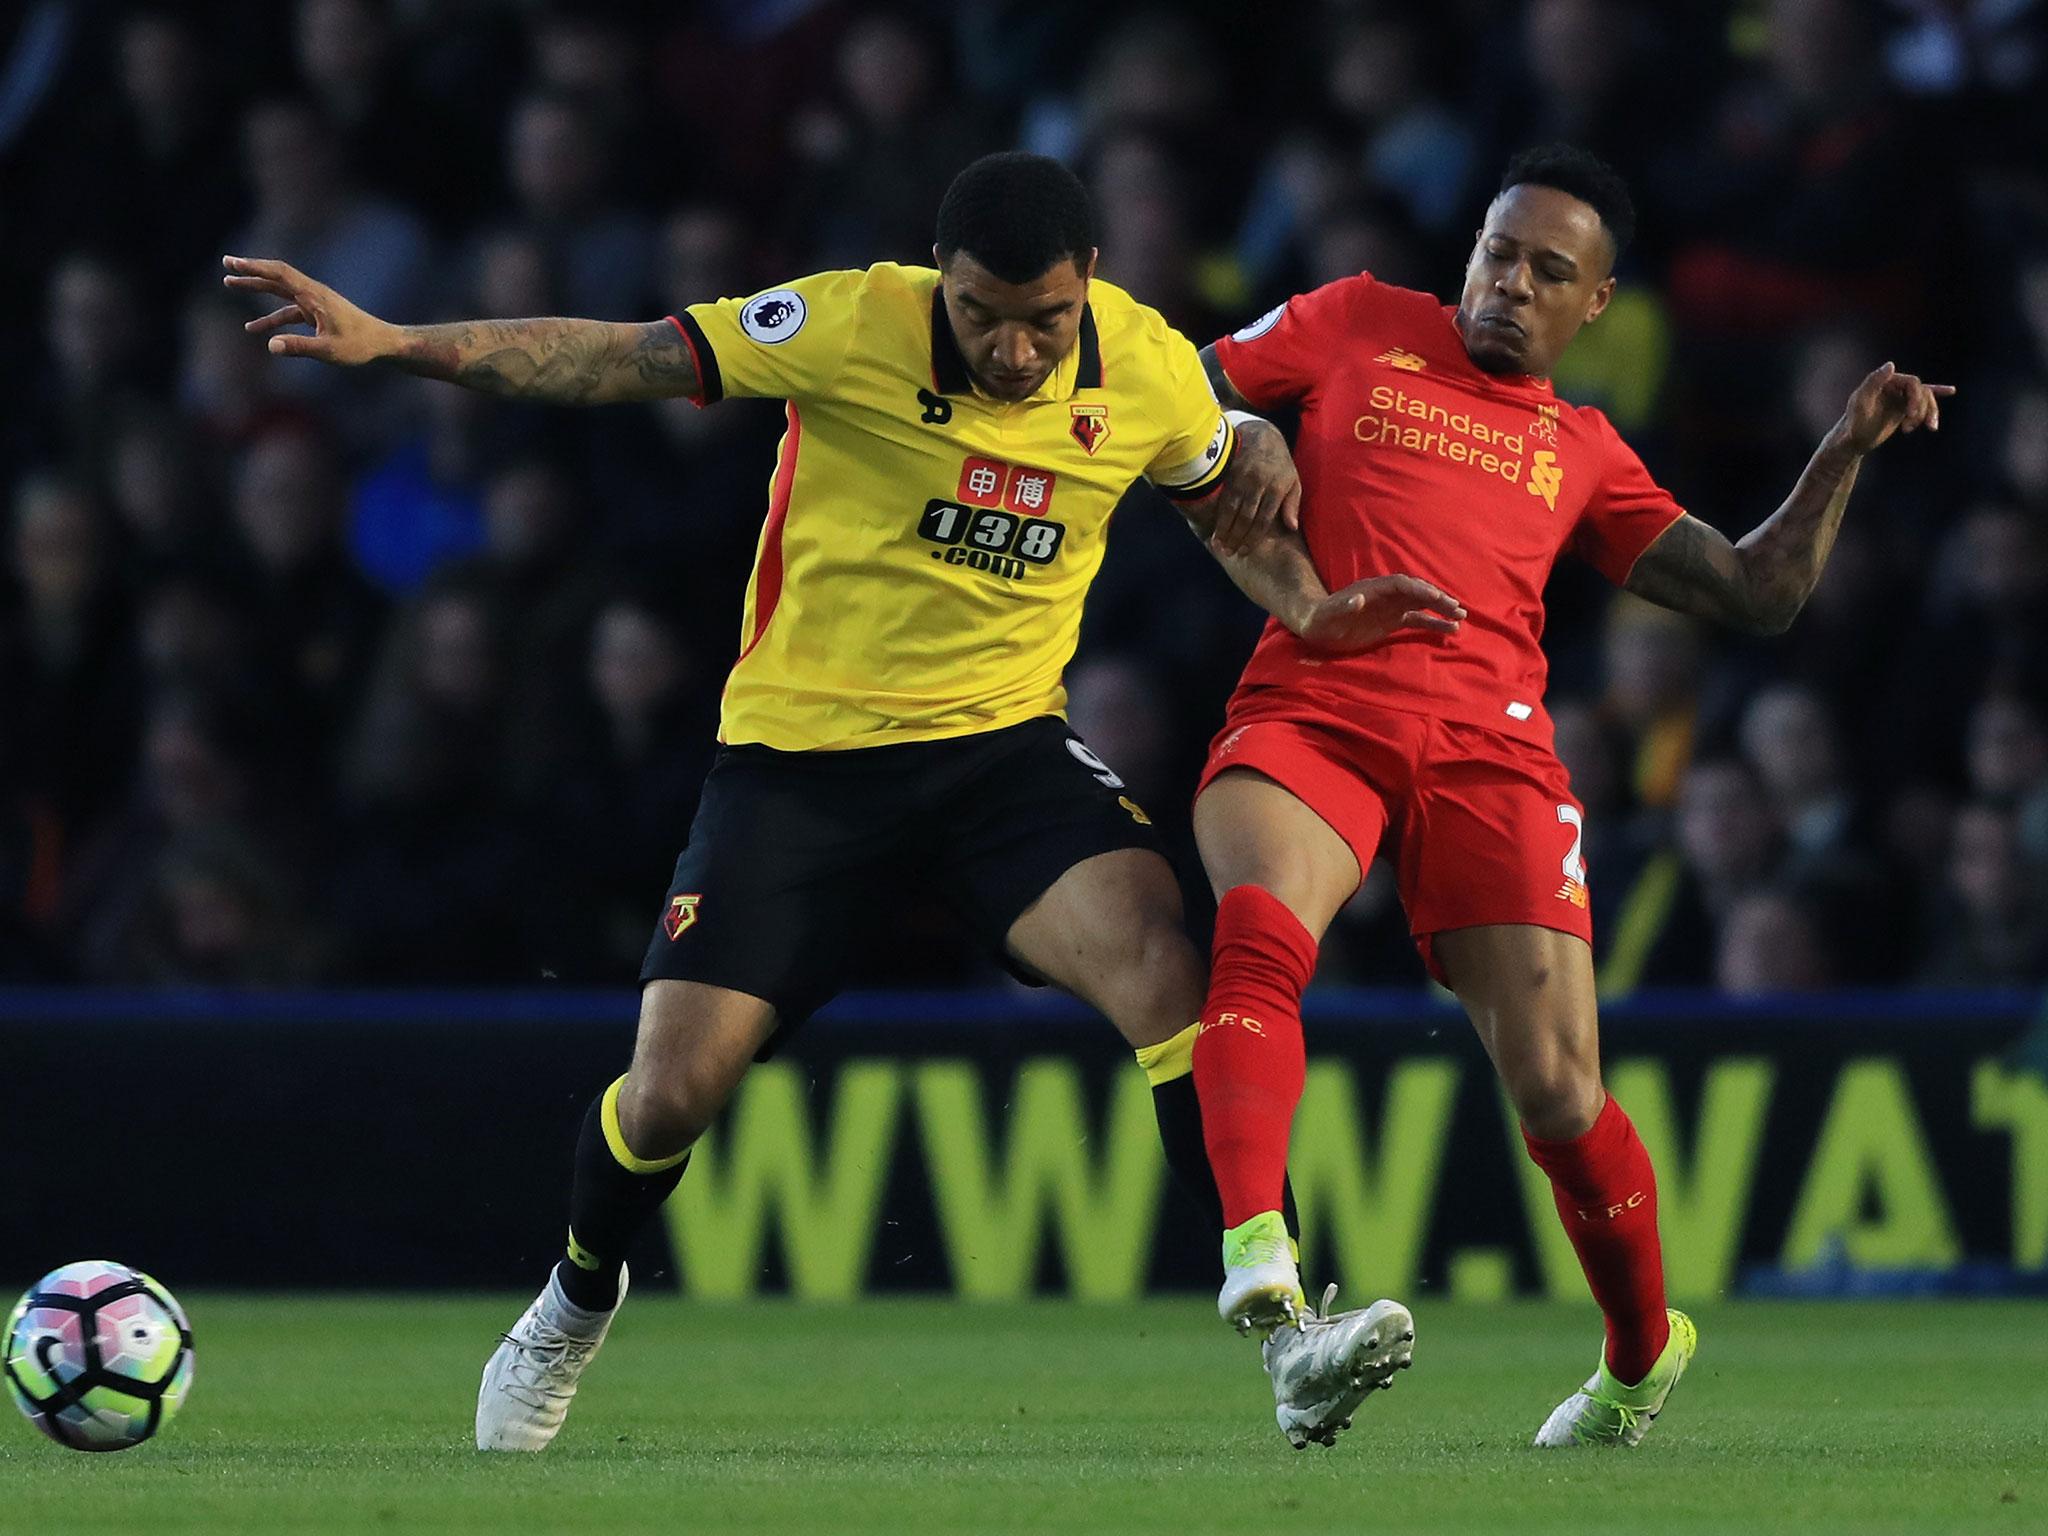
(1091, 426)
(681, 914)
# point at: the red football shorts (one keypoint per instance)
(1481, 827)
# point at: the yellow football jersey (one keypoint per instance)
(927, 549)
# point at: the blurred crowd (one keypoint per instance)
(310, 676)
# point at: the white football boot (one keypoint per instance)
(1328, 1363)
(532, 1375)
(1261, 1285)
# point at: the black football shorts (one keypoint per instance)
(789, 849)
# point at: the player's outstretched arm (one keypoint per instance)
(1271, 564)
(568, 362)
(1275, 572)
(1760, 584)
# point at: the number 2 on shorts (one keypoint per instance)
(1574, 861)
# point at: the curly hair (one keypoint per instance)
(1583, 175)
(1016, 214)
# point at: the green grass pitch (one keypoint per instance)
(354, 1415)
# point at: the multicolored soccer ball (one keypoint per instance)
(99, 1356)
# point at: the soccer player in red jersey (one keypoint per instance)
(905, 709)
(1431, 442)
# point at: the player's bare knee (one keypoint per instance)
(1557, 1094)
(1551, 1069)
(1165, 956)
(1290, 887)
(1153, 989)
(662, 1114)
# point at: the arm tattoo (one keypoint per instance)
(1760, 584)
(1692, 568)
(1201, 515)
(568, 362)
(1219, 381)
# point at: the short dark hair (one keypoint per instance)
(1016, 214)
(1583, 175)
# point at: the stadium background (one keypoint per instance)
(349, 725)
(311, 678)
(325, 698)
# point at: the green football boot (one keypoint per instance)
(1261, 1284)
(1605, 1412)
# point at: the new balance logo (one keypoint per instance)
(1395, 357)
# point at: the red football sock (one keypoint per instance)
(1606, 1194)
(1249, 1058)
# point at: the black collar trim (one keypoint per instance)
(1088, 373)
(949, 368)
(950, 375)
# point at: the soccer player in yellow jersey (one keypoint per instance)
(957, 439)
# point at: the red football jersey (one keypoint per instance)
(1414, 460)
